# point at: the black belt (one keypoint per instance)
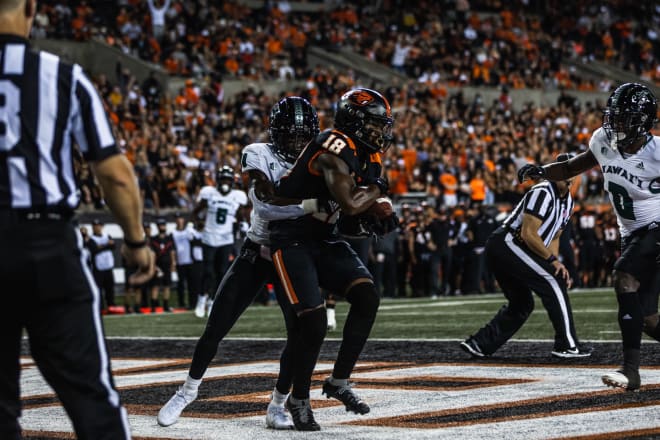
(23, 215)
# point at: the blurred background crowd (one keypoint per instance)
(457, 156)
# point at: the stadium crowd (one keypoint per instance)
(457, 154)
(479, 42)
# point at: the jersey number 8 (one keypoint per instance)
(10, 121)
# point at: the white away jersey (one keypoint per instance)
(261, 157)
(633, 183)
(220, 215)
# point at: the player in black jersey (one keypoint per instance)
(308, 252)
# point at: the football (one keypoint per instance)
(381, 208)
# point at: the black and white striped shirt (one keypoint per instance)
(44, 105)
(543, 201)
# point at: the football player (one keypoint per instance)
(293, 123)
(307, 252)
(222, 204)
(629, 157)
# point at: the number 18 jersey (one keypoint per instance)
(633, 183)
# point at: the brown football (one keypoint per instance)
(381, 208)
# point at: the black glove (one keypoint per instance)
(384, 226)
(530, 171)
(381, 183)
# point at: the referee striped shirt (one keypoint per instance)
(543, 201)
(45, 104)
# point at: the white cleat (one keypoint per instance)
(277, 417)
(621, 379)
(200, 309)
(170, 413)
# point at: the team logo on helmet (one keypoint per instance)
(361, 97)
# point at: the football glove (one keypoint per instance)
(384, 226)
(381, 183)
(530, 171)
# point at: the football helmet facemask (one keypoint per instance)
(629, 116)
(366, 116)
(224, 179)
(293, 124)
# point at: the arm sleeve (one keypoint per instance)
(272, 212)
(251, 160)
(91, 127)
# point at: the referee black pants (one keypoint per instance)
(519, 271)
(49, 291)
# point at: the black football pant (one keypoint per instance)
(105, 281)
(519, 271)
(247, 275)
(49, 291)
(216, 263)
(184, 274)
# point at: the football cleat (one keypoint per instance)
(302, 415)
(200, 309)
(277, 417)
(346, 395)
(574, 352)
(471, 347)
(623, 379)
(171, 411)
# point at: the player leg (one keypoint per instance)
(296, 268)
(344, 272)
(222, 262)
(506, 267)
(636, 264)
(277, 416)
(79, 372)
(238, 288)
(10, 343)
(208, 280)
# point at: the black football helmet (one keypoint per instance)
(224, 179)
(366, 116)
(630, 115)
(293, 124)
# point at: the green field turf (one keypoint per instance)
(446, 318)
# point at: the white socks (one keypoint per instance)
(191, 385)
(279, 398)
(338, 382)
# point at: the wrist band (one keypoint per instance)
(551, 259)
(135, 244)
(309, 206)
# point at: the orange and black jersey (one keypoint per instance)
(304, 182)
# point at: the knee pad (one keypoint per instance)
(624, 282)
(364, 298)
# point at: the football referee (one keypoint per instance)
(47, 289)
(522, 254)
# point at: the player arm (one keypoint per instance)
(554, 244)
(269, 206)
(570, 168)
(529, 234)
(198, 209)
(116, 178)
(352, 199)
